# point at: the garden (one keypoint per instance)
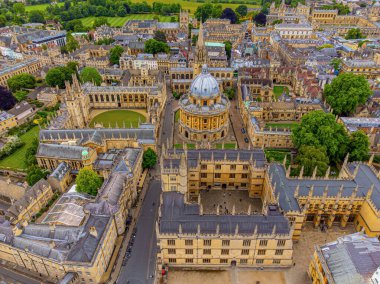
(118, 119)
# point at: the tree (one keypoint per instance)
(36, 17)
(153, 46)
(88, 181)
(149, 159)
(354, 33)
(242, 10)
(3, 21)
(320, 129)
(115, 54)
(358, 146)
(228, 48)
(260, 19)
(346, 92)
(19, 8)
(71, 43)
(7, 101)
(336, 63)
(21, 81)
(73, 66)
(160, 36)
(230, 93)
(203, 12)
(34, 174)
(30, 155)
(228, 13)
(176, 95)
(58, 75)
(90, 74)
(20, 95)
(100, 22)
(310, 157)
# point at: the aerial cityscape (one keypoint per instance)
(190, 141)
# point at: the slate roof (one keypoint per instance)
(61, 151)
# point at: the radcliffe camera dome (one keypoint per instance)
(204, 85)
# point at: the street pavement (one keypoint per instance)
(141, 266)
(167, 122)
(10, 276)
(237, 125)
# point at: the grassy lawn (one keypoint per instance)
(176, 116)
(274, 155)
(118, 116)
(290, 125)
(16, 160)
(278, 90)
(189, 146)
(120, 21)
(226, 146)
(40, 7)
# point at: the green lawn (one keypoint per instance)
(118, 116)
(274, 155)
(189, 146)
(176, 116)
(278, 90)
(290, 125)
(40, 7)
(120, 21)
(226, 146)
(16, 160)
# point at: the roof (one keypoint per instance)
(20, 108)
(61, 151)
(204, 86)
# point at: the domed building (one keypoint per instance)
(204, 110)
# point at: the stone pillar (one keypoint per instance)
(344, 220)
(330, 220)
(317, 220)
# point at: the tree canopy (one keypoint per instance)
(336, 63)
(100, 22)
(149, 159)
(242, 10)
(206, 11)
(354, 33)
(153, 46)
(260, 19)
(358, 146)
(160, 36)
(36, 17)
(58, 75)
(90, 74)
(228, 13)
(346, 92)
(34, 174)
(228, 48)
(320, 129)
(7, 100)
(310, 157)
(88, 181)
(115, 54)
(21, 81)
(71, 44)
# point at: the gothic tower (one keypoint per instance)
(200, 52)
(184, 21)
(77, 103)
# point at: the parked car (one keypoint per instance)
(243, 130)
(246, 140)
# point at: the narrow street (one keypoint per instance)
(237, 125)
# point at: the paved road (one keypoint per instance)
(168, 121)
(9, 276)
(142, 263)
(237, 124)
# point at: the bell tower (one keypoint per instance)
(184, 21)
(200, 53)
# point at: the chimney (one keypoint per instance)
(93, 232)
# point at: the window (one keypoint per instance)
(245, 167)
(243, 261)
(204, 167)
(223, 260)
(276, 261)
(233, 167)
(263, 243)
(261, 252)
(246, 243)
(245, 251)
(218, 167)
(172, 260)
(203, 175)
(232, 175)
(189, 251)
(225, 251)
(217, 175)
(259, 260)
(244, 176)
(225, 243)
(206, 260)
(188, 242)
(205, 120)
(171, 242)
(243, 184)
(207, 251)
(279, 252)
(173, 188)
(203, 183)
(171, 251)
(281, 243)
(189, 260)
(207, 242)
(173, 178)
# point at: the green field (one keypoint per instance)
(118, 116)
(290, 125)
(41, 7)
(120, 21)
(16, 160)
(278, 90)
(189, 146)
(226, 146)
(278, 155)
(176, 116)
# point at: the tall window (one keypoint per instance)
(225, 243)
(263, 243)
(188, 242)
(171, 242)
(207, 242)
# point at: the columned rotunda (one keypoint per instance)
(204, 110)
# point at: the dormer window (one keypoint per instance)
(204, 103)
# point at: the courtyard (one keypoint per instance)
(118, 119)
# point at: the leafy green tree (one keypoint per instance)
(20, 95)
(3, 21)
(36, 17)
(204, 12)
(230, 93)
(229, 14)
(88, 181)
(358, 146)
(34, 174)
(19, 8)
(242, 10)
(30, 155)
(346, 92)
(73, 66)
(173, 19)
(176, 95)
(58, 75)
(90, 74)
(100, 22)
(153, 46)
(336, 63)
(149, 159)
(354, 33)
(320, 129)
(21, 81)
(194, 40)
(310, 157)
(260, 19)
(228, 48)
(160, 36)
(71, 43)
(115, 54)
